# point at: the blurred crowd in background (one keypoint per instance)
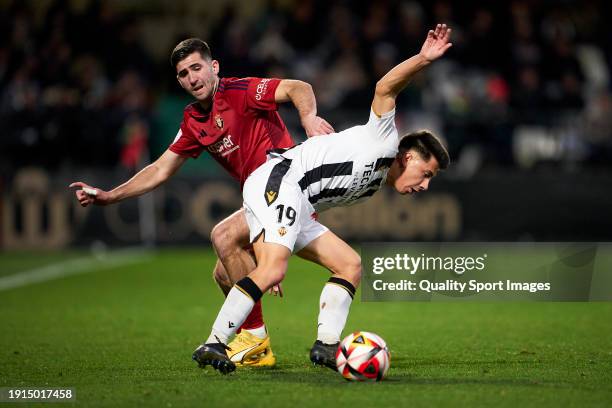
(526, 82)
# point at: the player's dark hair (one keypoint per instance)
(426, 144)
(188, 47)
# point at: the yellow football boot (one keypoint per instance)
(248, 350)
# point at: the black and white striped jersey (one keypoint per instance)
(344, 168)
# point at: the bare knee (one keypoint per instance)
(230, 234)
(350, 269)
(222, 238)
(273, 273)
(270, 271)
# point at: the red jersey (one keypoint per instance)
(242, 125)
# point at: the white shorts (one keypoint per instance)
(275, 206)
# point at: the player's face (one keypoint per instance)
(416, 173)
(198, 76)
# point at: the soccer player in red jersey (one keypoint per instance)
(236, 121)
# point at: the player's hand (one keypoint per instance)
(316, 125)
(90, 195)
(436, 43)
(276, 290)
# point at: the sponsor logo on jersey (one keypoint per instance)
(223, 147)
(361, 179)
(282, 231)
(219, 121)
(261, 89)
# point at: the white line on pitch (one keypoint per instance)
(74, 267)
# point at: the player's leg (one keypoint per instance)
(230, 238)
(336, 297)
(222, 278)
(266, 196)
(272, 266)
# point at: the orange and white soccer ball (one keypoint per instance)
(363, 356)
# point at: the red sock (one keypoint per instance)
(254, 319)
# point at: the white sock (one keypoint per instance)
(334, 306)
(260, 331)
(233, 313)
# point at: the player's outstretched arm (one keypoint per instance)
(303, 98)
(389, 86)
(144, 181)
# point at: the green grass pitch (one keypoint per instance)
(123, 336)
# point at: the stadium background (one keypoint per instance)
(523, 100)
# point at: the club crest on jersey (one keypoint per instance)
(219, 121)
(282, 231)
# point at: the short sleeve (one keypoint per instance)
(260, 93)
(185, 144)
(384, 125)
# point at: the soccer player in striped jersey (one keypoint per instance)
(282, 198)
(236, 121)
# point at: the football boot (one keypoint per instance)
(214, 354)
(248, 350)
(324, 354)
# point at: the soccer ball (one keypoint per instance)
(363, 356)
